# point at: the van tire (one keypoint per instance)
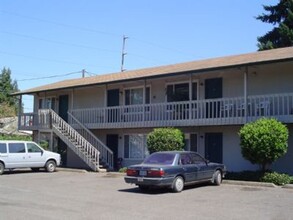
(50, 166)
(1, 168)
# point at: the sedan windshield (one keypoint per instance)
(160, 158)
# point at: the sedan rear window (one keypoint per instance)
(160, 158)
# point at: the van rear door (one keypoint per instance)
(3, 152)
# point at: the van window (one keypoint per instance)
(3, 148)
(16, 148)
(32, 148)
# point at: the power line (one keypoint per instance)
(48, 60)
(49, 77)
(96, 31)
(60, 24)
(163, 47)
(59, 42)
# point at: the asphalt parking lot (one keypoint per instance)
(72, 195)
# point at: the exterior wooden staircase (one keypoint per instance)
(80, 140)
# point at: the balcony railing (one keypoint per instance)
(202, 112)
(223, 111)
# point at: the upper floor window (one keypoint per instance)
(135, 96)
(180, 92)
(47, 103)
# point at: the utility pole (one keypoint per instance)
(123, 53)
(83, 73)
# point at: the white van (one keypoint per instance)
(26, 154)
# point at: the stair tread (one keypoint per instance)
(80, 150)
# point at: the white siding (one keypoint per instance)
(89, 97)
(271, 78)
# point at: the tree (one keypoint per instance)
(263, 141)
(281, 16)
(165, 139)
(8, 86)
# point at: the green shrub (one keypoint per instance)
(263, 141)
(276, 178)
(7, 111)
(165, 139)
(123, 170)
(15, 137)
(44, 144)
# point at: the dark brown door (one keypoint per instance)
(213, 90)
(112, 143)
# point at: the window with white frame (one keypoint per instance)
(191, 142)
(134, 96)
(135, 146)
(180, 92)
(47, 103)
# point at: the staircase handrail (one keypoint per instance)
(89, 148)
(106, 152)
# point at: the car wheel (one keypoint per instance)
(35, 169)
(217, 178)
(50, 166)
(178, 184)
(1, 168)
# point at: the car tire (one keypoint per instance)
(35, 169)
(1, 168)
(178, 184)
(217, 177)
(50, 166)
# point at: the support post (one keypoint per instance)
(19, 111)
(245, 94)
(190, 96)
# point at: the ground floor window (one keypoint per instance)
(135, 146)
(191, 142)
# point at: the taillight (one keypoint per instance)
(156, 173)
(131, 172)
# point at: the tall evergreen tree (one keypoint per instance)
(281, 16)
(8, 86)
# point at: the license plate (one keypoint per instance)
(142, 172)
(139, 179)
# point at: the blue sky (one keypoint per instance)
(61, 37)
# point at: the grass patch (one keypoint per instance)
(15, 137)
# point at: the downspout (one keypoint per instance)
(190, 95)
(144, 100)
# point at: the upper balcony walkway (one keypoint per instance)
(224, 111)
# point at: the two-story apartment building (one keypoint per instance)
(96, 120)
